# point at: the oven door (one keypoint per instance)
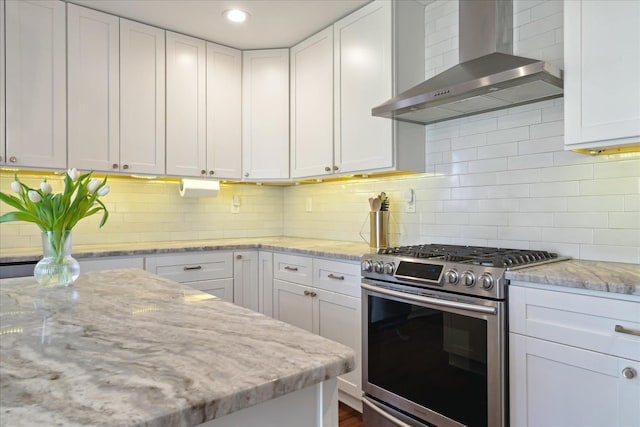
(433, 358)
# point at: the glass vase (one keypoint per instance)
(57, 266)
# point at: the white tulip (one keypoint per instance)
(16, 187)
(103, 191)
(34, 196)
(92, 186)
(73, 174)
(45, 187)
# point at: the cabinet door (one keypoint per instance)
(2, 93)
(186, 105)
(602, 88)
(222, 288)
(245, 280)
(292, 303)
(142, 98)
(265, 277)
(312, 106)
(337, 317)
(265, 114)
(363, 69)
(36, 122)
(224, 112)
(93, 94)
(554, 384)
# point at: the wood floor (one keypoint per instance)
(348, 417)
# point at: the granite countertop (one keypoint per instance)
(125, 347)
(614, 277)
(349, 251)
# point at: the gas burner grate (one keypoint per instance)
(477, 255)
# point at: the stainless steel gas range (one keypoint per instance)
(434, 334)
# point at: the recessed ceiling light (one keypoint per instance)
(236, 15)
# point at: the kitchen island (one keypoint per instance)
(129, 348)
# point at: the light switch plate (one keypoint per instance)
(308, 206)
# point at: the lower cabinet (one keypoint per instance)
(210, 272)
(574, 359)
(246, 292)
(322, 297)
(110, 263)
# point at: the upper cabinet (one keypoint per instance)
(35, 78)
(265, 114)
(224, 112)
(602, 65)
(186, 105)
(378, 52)
(93, 55)
(116, 111)
(312, 106)
(142, 98)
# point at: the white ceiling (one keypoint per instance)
(272, 23)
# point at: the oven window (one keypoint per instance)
(431, 357)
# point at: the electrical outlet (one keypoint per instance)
(409, 198)
(235, 204)
(308, 206)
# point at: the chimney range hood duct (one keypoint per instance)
(488, 77)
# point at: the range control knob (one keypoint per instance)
(486, 281)
(367, 265)
(452, 277)
(389, 268)
(378, 266)
(468, 279)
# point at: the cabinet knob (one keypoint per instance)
(125, 167)
(335, 168)
(327, 169)
(307, 293)
(114, 166)
(313, 294)
(13, 159)
(246, 174)
(203, 172)
(212, 172)
(238, 256)
(629, 373)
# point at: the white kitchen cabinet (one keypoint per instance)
(311, 124)
(93, 67)
(265, 277)
(142, 99)
(323, 297)
(186, 125)
(110, 263)
(35, 79)
(378, 52)
(265, 114)
(210, 272)
(224, 112)
(246, 287)
(601, 69)
(568, 364)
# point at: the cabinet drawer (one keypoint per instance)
(110, 263)
(293, 268)
(583, 321)
(194, 267)
(334, 276)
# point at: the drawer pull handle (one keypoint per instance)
(333, 276)
(623, 330)
(291, 268)
(197, 267)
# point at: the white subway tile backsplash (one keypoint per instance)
(464, 155)
(567, 235)
(530, 46)
(603, 203)
(567, 173)
(615, 237)
(629, 220)
(628, 254)
(487, 165)
(498, 205)
(519, 233)
(632, 202)
(489, 218)
(497, 150)
(547, 9)
(479, 126)
(623, 168)
(525, 176)
(508, 135)
(546, 129)
(547, 204)
(555, 189)
(610, 186)
(528, 219)
(554, 113)
(530, 161)
(522, 118)
(478, 179)
(469, 141)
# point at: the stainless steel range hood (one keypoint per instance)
(488, 77)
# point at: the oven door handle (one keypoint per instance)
(429, 300)
(384, 414)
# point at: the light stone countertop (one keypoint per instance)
(342, 250)
(614, 277)
(593, 275)
(128, 348)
